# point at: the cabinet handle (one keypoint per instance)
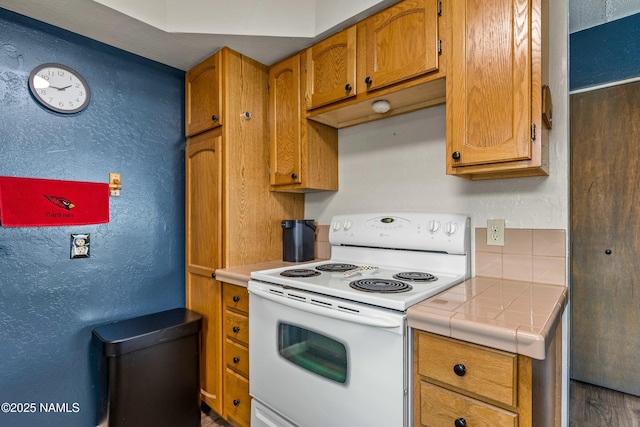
(368, 80)
(236, 329)
(460, 370)
(236, 402)
(236, 360)
(214, 118)
(348, 87)
(456, 155)
(460, 422)
(236, 298)
(294, 175)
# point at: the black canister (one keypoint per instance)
(298, 240)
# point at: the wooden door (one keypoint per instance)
(285, 121)
(605, 237)
(203, 99)
(203, 201)
(331, 69)
(489, 82)
(401, 42)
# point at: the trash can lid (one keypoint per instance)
(128, 335)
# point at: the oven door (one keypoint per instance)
(319, 361)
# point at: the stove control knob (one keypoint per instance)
(450, 228)
(434, 226)
(347, 224)
(336, 226)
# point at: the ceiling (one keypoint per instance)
(182, 33)
(158, 31)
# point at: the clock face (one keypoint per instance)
(59, 88)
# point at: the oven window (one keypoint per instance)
(314, 352)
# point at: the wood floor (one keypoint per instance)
(594, 406)
(211, 419)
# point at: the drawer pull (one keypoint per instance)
(460, 422)
(236, 360)
(236, 402)
(236, 298)
(460, 370)
(236, 329)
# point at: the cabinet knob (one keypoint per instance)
(607, 251)
(348, 87)
(456, 155)
(236, 298)
(368, 80)
(236, 402)
(460, 370)
(213, 275)
(294, 175)
(236, 360)
(236, 329)
(214, 118)
(460, 422)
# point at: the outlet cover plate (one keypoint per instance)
(80, 246)
(495, 232)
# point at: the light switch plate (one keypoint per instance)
(80, 245)
(495, 232)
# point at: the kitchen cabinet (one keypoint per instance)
(203, 103)
(236, 355)
(303, 154)
(331, 69)
(393, 55)
(498, 71)
(231, 216)
(463, 384)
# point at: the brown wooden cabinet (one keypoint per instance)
(303, 154)
(236, 355)
(393, 55)
(232, 218)
(402, 42)
(495, 89)
(203, 103)
(456, 380)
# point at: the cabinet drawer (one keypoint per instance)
(482, 372)
(236, 297)
(237, 403)
(236, 326)
(441, 407)
(236, 356)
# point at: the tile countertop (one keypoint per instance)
(241, 274)
(518, 317)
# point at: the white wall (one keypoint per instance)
(589, 13)
(398, 164)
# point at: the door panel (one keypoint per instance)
(605, 234)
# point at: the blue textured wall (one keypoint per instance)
(49, 303)
(605, 53)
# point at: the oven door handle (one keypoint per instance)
(380, 322)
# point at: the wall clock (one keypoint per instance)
(59, 88)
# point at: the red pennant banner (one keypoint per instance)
(31, 202)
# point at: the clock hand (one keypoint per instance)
(60, 88)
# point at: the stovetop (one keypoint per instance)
(380, 246)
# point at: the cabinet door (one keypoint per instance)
(489, 83)
(204, 255)
(203, 97)
(331, 69)
(401, 42)
(284, 124)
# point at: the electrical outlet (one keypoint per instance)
(495, 232)
(80, 246)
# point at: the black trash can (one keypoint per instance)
(149, 370)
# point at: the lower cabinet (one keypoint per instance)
(237, 403)
(458, 384)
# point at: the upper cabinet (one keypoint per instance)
(401, 43)
(394, 55)
(331, 69)
(495, 83)
(303, 154)
(203, 100)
